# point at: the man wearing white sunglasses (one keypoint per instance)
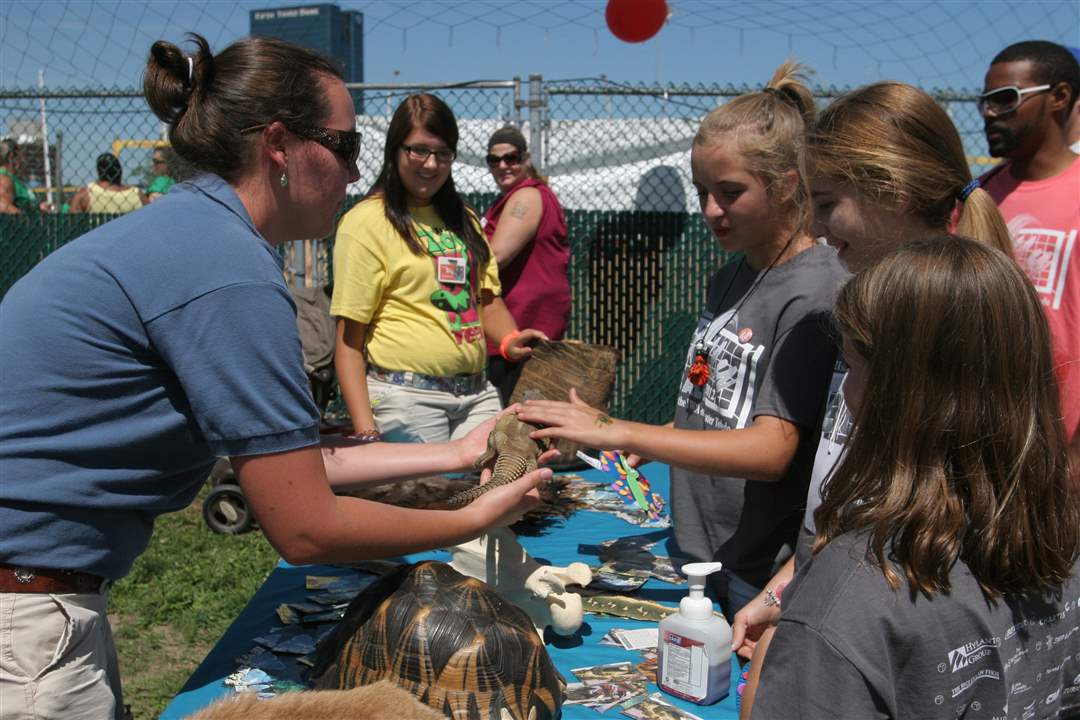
(1025, 104)
(1029, 93)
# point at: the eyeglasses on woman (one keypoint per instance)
(421, 153)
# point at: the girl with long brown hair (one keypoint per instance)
(416, 292)
(886, 165)
(948, 537)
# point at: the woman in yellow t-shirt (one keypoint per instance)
(416, 291)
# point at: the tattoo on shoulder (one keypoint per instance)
(602, 419)
(518, 210)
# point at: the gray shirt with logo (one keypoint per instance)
(770, 351)
(848, 646)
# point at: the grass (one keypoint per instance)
(179, 598)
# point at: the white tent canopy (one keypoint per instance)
(594, 164)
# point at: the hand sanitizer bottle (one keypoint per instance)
(694, 658)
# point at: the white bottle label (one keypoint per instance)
(686, 667)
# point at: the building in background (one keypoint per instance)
(325, 28)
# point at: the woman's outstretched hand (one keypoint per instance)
(474, 444)
(506, 504)
(575, 420)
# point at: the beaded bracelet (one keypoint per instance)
(772, 596)
(366, 436)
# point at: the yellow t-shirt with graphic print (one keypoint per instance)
(416, 322)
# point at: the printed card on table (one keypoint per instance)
(606, 673)
(654, 707)
(603, 695)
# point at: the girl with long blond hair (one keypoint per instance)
(757, 369)
(948, 537)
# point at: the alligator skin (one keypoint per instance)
(515, 454)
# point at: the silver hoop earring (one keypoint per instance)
(284, 179)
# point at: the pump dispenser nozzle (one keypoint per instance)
(696, 606)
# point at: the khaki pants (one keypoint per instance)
(57, 658)
(408, 414)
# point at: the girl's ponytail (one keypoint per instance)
(980, 218)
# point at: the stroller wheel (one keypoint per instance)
(225, 510)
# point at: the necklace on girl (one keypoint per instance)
(698, 374)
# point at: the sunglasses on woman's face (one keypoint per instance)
(1006, 99)
(511, 159)
(343, 143)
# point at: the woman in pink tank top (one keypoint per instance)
(527, 231)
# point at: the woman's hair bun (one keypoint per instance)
(170, 79)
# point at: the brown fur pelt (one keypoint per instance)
(558, 499)
(556, 366)
(379, 701)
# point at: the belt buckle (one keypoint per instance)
(24, 576)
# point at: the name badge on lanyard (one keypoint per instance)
(452, 270)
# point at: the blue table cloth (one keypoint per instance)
(558, 545)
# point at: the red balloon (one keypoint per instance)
(635, 21)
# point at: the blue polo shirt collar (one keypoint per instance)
(220, 191)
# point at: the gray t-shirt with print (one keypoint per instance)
(848, 646)
(770, 351)
(835, 429)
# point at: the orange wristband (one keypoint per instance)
(505, 344)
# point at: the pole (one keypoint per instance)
(45, 141)
(60, 169)
(517, 102)
(535, 121)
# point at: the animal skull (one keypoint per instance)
(498, 559)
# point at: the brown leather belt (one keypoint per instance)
(14, 579)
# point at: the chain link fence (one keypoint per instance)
(616, 155)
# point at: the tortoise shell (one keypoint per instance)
(450, 640)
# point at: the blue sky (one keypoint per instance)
(83, 44)
(933, 44)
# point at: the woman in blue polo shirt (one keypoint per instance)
(136, 355)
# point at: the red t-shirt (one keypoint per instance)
(535, 287)
(1044, 220)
